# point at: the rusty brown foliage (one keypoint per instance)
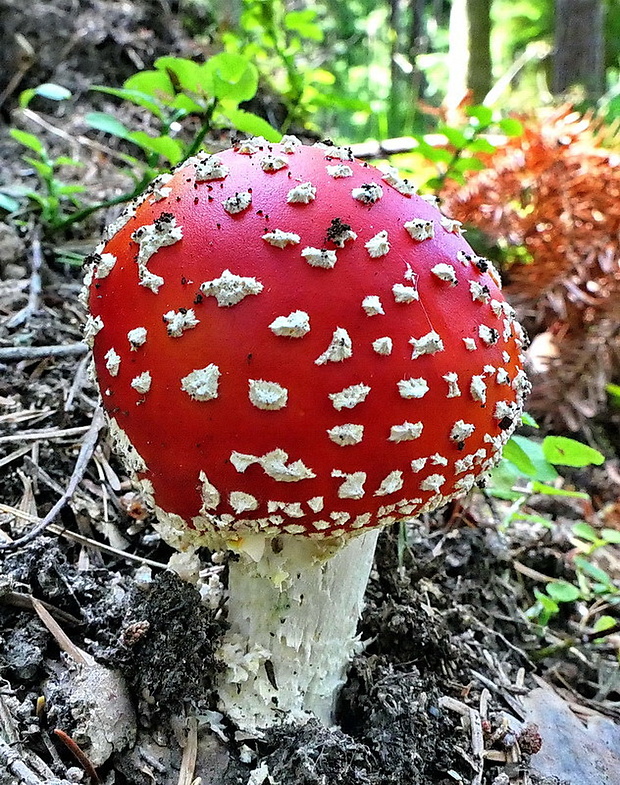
(555, 192)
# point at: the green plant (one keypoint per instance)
(177, 89)
(452, 152)
(592, 583)
(613, 390)
(277, 40)
(54, 197)
(528, 466)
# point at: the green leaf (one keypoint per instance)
(614, 391)
(44, 169)
(514, 453)
(303, 23)
(611, 536)
(230, 77)
(322, 77)
(502, 481)
(527, 455)
(184, 74)
(560, 450)
(481, 114)
(585, 532)
(250, 123)
(549, 490)
(8, 203)
(481, 145)
(469, 164)
(133, 96)
(510, 126)
(102, 121)
(562, 591)
(527, 419)
(185, 105)
(66, 160)
(169, 148)
(540, 519)
(26, 96)
(28, 140)
(547, 602)
(433, 154)
(71, 189)
(333, 100)
(603, 589)
(455, 137)
(157, 84)
(592, 571)
(54, 92)
(604, 623)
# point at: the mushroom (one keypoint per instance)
(295, 350)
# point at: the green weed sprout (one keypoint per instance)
(174, 92)
(54, 198)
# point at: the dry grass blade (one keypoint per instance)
(14, 353)
(61, 531)
(44, 433)
(25, 415)
(62, 639)
(190, 752)
(13, 456)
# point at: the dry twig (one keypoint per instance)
(34, 289)
(45, 433)
(18, 353)
(20, 600)
(81, 539)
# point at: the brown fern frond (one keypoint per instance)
(555, 191)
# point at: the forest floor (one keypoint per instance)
(455, 685)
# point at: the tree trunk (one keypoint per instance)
(417, 45)
(469, 57)
(579, 47)
(479, 68)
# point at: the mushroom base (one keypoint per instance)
(293, 609)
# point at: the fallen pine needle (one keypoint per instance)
(61, 637)
(78, 754)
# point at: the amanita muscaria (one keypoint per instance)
(295, 350)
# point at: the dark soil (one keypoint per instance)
(437, 696)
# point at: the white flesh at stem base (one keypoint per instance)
(293, 610)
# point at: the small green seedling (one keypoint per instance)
(54, 198)
(592, 583)
(528, 466)
(175, 93)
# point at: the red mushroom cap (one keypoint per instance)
(289, 340)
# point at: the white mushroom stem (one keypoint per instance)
(293, 610)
